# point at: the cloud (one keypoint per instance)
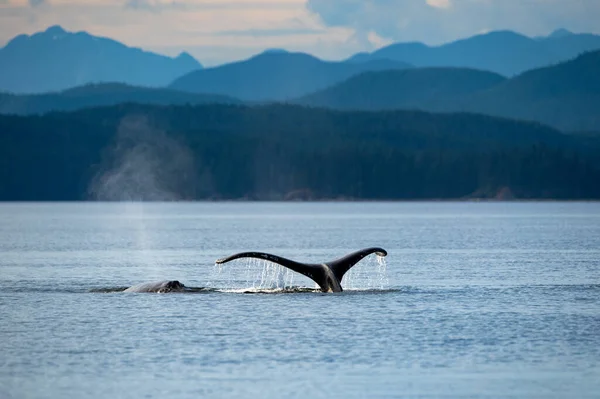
(384, 17)
(439, 3)
(212, 4)
(437, 21)
(214, 31)
(269, 32)
(153, 5)
(36, 3)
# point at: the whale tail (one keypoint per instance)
(327, 275)
(340, 266)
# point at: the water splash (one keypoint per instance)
(384, 279)
(258, 274)
(273, 276)
(368, 274)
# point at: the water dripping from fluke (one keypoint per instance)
(259, 276)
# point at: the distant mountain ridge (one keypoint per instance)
(275, 76)
(57, 60)
(565, 96)
(427, 88)
(100, 95)
(504, 52)
(465, 75)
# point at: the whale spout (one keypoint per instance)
(327, 275)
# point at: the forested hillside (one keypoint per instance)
(565, 96)
(418, 88)
(274, 76)
(104, 94)
(134, 152)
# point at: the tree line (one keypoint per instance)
(284, 152)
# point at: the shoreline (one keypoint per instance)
(321, 201)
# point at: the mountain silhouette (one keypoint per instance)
(504, 52)
(275, 75)
(56, 60)
(427, 88)
(558, 33)
(105, 94)
(565, 96)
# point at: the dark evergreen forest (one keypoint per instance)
(279, 152)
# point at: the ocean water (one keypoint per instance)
(474, 300)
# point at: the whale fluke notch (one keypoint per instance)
(327, 275)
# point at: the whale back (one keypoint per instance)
(158, 287)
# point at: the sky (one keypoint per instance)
(219, 31)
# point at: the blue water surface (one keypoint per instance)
(474, 300)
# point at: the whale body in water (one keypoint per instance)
(327, 275)
(158, 287)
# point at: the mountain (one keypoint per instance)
(425, 88)
(559, 33)
(504, 52)
(104, 94)
(565, 96)
(275, 75)
(56, 60)
(568, 46)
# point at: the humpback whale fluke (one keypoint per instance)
(327, 275)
